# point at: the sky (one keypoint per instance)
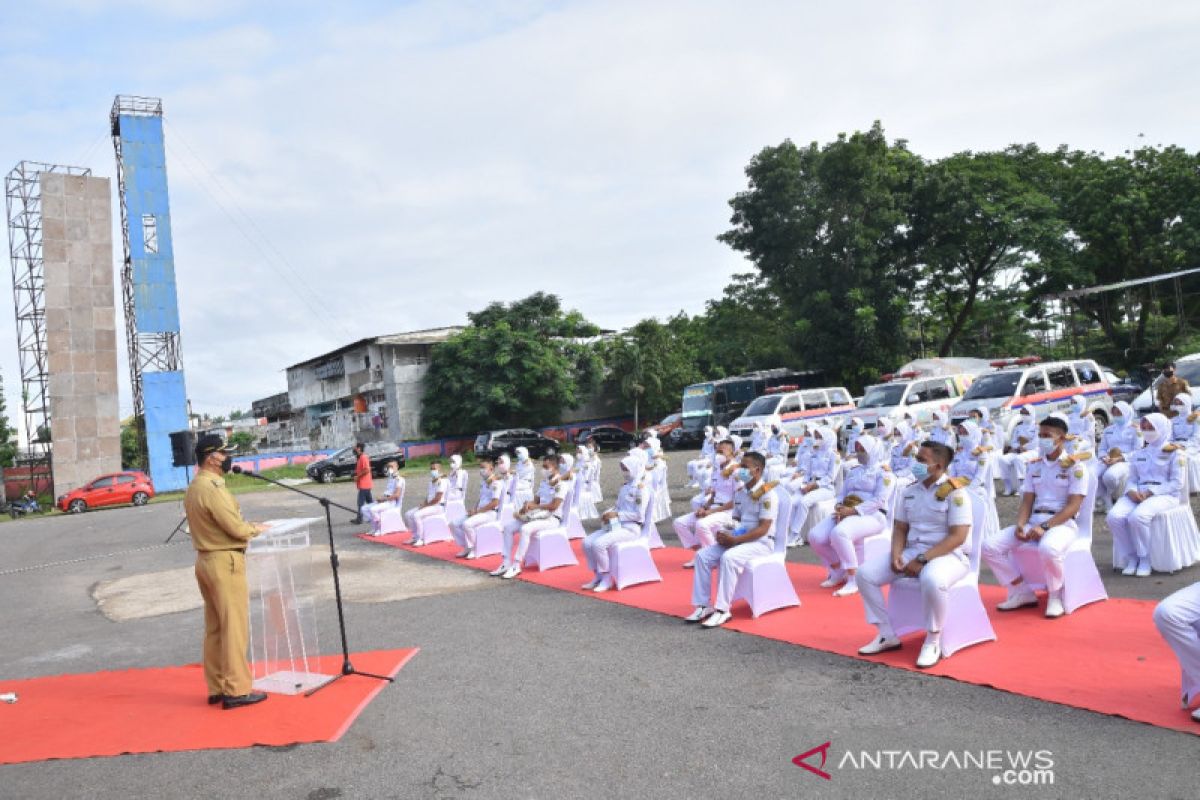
(352, 169)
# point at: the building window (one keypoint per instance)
(150, 233)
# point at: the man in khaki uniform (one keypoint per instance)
(220, 536)
(1170, 385)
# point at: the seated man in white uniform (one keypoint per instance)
(491, 488)
(699, 529)
(1052, 493)
(860, 512)
(930, 542)
(544, 514)
(523, 491)
(754, 509)
(818, 483)
(708, 448)
(621, 523)
(1120, 440)
(1020, 451)
(393, 494)
(1155, 478)
(434, 505)
(1178, 621)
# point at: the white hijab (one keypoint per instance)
(1162, 425)
(872, 449)
(634, 466)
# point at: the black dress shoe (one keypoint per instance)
(243, 700)
(213, 699)
(356, 521)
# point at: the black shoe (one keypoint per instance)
(243, 700)
(213, 699)
(356, 521)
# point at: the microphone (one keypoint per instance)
(236, 470)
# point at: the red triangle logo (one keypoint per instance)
(823, 749)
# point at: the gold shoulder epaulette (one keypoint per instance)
(757, 494)
(949, 486)
(1171, 447)
(1195, 415)
(980, 450)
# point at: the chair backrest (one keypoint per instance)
(979, 511)
(1084, 517)
(1184, 483)
(783, 518)
(648, 523)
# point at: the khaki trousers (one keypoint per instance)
(221, 575)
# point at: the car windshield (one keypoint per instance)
(883, 395)
(343, 452)
(762, 406)
(1189, 371)
(670, 419)
(697, 399)
(998, 384)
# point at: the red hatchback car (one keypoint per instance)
(109, 490)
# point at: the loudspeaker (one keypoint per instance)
(183, 449)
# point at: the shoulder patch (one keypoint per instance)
(1079, 473)
(958, 500)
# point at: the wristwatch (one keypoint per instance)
(922, 560)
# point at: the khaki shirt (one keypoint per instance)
(1167, 389)
(214, 517)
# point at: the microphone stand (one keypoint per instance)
(326, 503)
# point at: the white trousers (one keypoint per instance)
(803, 504)
(730, 562)
(1130, 522)
(935, 578)
(372, 510)
(1112, 479)
(527, 530)
(464, 531)
(835, 541)
(1178, 621)
(702, 531)
(414, 517)
(1052, 548)
(596, 544)
(1012, 469)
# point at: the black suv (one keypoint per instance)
(493, 443)
(607, 437)
(341, 464)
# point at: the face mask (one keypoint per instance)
(227, 464)
(920, 470)
(743, 475)
(1151, 436)
(1119, 420)
(1168, 372)
(564, 470)
(392, 473)
(1047, 445)
(435, 474)
(721, 460)
(522, 457)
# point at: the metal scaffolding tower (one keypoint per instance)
(23, 202)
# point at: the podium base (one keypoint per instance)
(291, 682)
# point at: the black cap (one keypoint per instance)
(210, 443)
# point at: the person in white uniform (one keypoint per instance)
(1019, 453)
(699, 528)
(1185, 425)
(393, 494)
(1155, 478)
(860, 512)
(544, 514)
(987, 426)
(755, 507)
(661, 498)
(457, 481)
(1052, 493)
(903, 454)
(819, 482)
(523, 491)
(1120, 440)
(856, 429)
(758, 437)
(1178, 621)
(972, 463)
(708, 449)
(491, 493)
(940, 430)
(434, 505)
(778, 445)
(621, 523)
(1081, 425)
(930, 542)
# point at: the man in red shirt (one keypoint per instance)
(364, 480)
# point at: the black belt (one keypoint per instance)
(1046, 511)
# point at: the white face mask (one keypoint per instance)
(721, 460)
(1151, 436)
(1047, 445)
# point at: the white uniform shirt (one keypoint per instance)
(486, 493)
(1155, 471)
(901, 463)
(441, 485)
(970, 466)
(1028, 432)
(851, 440)
(1126, 438)
(1052, 483)
(778, 445)
(870, 484)
(823, 468)
(562, 491)
(929, 517)
(524, 475)
(723, 488)
(545, 492)
(458, 484)
(750, 512)
(632, 499)
(1184, 432)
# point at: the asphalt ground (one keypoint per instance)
(521, 691)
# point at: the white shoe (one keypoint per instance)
(417, 543)
(931, 653)
(1143, 568)
(849, 588)
(690, 565)
(700, 613)
(1196, 715)
(587, 587)
(1131, 565)
(511, 572)
(604, 585)
(794, 543)
(461, 554)
(880, 644)
(1054, 607)
(1018, 600)
(498, 571)
(718, 619)
(836, 577)
(470, 555)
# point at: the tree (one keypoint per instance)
(518, 364)
(242, 440)
(744, 330)
(8, 434)
(652, 363)
(825, 226)
(131, 451)
(237, 415)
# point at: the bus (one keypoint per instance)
(722, 401)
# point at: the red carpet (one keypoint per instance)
(164, 710)
(1106, 657)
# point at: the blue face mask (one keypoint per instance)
(1047, 445)
(920, 470)
(743, 475)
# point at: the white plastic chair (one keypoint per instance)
(1174, 537)
(764, 582)
(391, 520)
(631, 562)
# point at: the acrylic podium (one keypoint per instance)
(283, 620)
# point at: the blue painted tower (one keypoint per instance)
(148, 284)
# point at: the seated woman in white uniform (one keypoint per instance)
(778, 445)
(435, 503)
(524, 471)
(621, 523)
(972, 464)
(930, 542)
(1052, 494)
(1081, 425)
(1155, 479)
(987, 426)
(1118, 443)
(856, 429)
(940, 430)
(1178, 621)
(457, 481)
(1020, 451)
(699, 528)
(1185, 425)
(491, 493)
(393, 494)
(819, 482)
(544, 514)
(860, 512)
(903, 454)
